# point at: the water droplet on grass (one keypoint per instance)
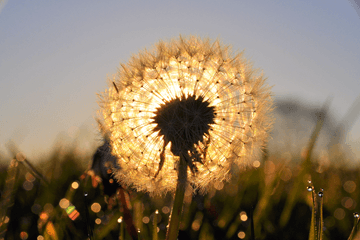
(309, 188)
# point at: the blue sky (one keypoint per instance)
(56, 55)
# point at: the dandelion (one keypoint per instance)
(182, 114)
(190, 99)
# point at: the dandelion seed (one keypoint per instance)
(187, 98)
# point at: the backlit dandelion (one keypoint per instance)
(186, 99)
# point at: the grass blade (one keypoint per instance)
(355, 228)
(312, 234)
(7, 199)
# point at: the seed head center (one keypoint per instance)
(184, 122)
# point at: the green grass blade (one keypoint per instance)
(312, 234)
(306, 167)
(321, 217)
(155, 234)
(355, 228)
(7, 198)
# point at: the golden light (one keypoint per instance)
(165, 209)
(24, 235)
(29, 177)
(241, 235)
(256, 164)
(146, 220)
(95, 207)
(347, 202)
(349, 186)
(243, 216)
(188, 97)
(20, 156)
(75, 185)
(196, 225)
(64, 203)
(6, 220)
(44, 216)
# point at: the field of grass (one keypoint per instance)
(70, 195)
(61, 199)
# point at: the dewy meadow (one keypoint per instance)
(185, 155)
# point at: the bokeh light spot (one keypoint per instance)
(44, 216)
(243, 216)
(241, 235)
(28, 185)
(165, 210)
(48, 207)
(24, 235)
(347, 202)
(219, 185)
(20, 156)
(64, 203)
(146, 220)
(75, 185)
(349, 186)
(329, 222)
(36, 208)
(29, 177)
(339, 213)
(256, 164)
(221, 223)
(7, 219)
(196, 225)
(95, 207)
(98, 221)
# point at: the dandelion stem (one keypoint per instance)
(173, 230)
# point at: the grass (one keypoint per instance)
(270, 201)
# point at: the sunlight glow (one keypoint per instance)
(143, 93)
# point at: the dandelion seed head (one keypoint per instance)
(187, 97)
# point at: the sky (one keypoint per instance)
(55, 56)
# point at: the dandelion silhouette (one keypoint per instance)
(184, 113)
(186, 97)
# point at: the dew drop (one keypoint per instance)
(309, 181)
(356, 215)
(85, 194)
(309, 188)
(321, 194)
